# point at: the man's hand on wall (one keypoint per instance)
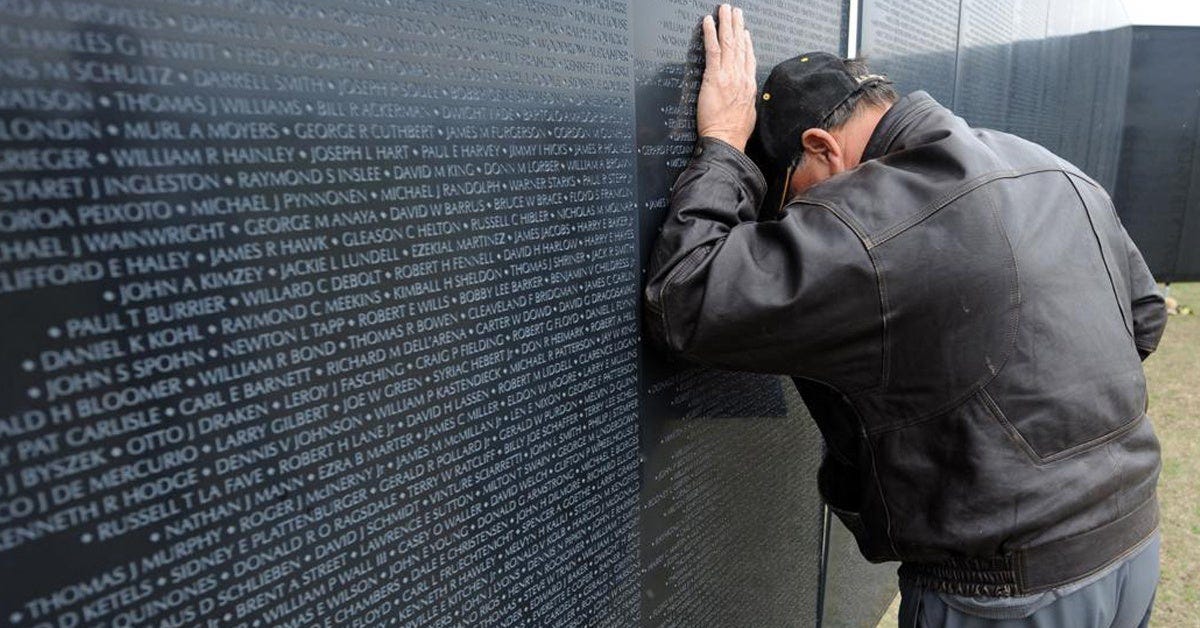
(725, 109)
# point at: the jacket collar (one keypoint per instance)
(900, 118)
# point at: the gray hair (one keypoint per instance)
(874, 94)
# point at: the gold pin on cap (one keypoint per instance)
(766, 95)
(803, 59)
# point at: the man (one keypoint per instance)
(965, 316)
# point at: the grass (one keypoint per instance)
(1173, 376)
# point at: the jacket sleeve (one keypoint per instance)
(793, 296)
(1146, 302)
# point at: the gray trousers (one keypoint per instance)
(1121, 598)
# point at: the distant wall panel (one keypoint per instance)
(985, 62)
(1053, 73)
(1158, 189)
(915, 43)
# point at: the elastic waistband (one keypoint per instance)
(1041, 567)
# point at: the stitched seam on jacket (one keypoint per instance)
(937, 205)
(984, 380)
(1014, 291)
(1061, 455)
(883, 340)
(941, 413)
(1125, 322)
(885, 370)
(1010, 429)
(846, 219)
(887, 514)
(1088, 445)
(1022, 582)
(1132, 511)
(1088, 180)
(667, 283)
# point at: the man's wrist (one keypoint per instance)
(738, 143)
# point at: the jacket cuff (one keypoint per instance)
(712, 151)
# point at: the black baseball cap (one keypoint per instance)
(800, 94)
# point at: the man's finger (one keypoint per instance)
(725, 27)
(712, 48)
(739, 39)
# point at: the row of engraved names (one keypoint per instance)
(435, 447)
(566, 384)
(423, 585)
(321, 164)
(522, 68)
(226, 261)
(447, 456)
(562, 45)
(253, 366)
(41, 101)
(153, 537)
(396, 183)
(497, 103)
(268, 209)
(371, 54)
(486, 301)
(297, 375)
(388, 235)
(415, 533)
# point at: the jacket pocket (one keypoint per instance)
(1037, 457)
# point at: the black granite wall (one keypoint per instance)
(327, 313)
(1158, 189)
(1052, 72)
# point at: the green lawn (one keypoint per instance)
(1173, 374)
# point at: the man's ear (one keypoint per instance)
(819, 144)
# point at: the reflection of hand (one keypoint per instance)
(725, 108)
